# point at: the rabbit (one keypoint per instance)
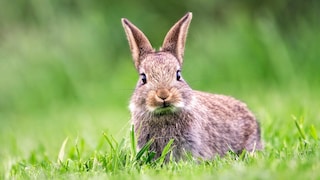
(164, 107)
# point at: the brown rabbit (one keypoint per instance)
(164, 107)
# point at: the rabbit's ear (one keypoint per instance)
(175, 39)
(138, 42)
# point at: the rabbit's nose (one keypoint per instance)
(163, 94)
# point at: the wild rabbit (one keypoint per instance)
(164, 107)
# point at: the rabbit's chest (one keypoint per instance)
(162, 134)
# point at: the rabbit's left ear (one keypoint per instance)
(175, 39)
(139, 43)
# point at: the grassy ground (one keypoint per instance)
(33, 146)
(65, 81)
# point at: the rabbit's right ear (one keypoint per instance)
(175, 39)
(138, 42)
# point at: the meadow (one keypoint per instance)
(66, 76)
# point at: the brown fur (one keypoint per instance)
(165, 107)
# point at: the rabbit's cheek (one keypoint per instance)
(176, 98)
(150, 101)
(177, 101)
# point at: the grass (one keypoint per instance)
(66, 77)
(120, 162)
(41, 149)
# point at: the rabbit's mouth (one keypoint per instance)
(165, 104)
(165, 109)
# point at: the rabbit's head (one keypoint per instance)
(161, 88)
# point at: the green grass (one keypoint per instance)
(66, 77)
(36, 151)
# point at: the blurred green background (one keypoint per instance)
(66, 68)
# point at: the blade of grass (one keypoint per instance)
(313, 132)
(133, 143)
(299, 127)
(62, 151)
(144, 149)
(165, 151)
(109, 141)
(77, 148)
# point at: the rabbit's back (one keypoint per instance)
(222, 123)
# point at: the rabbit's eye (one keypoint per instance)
(178, 75)
(143, 78)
